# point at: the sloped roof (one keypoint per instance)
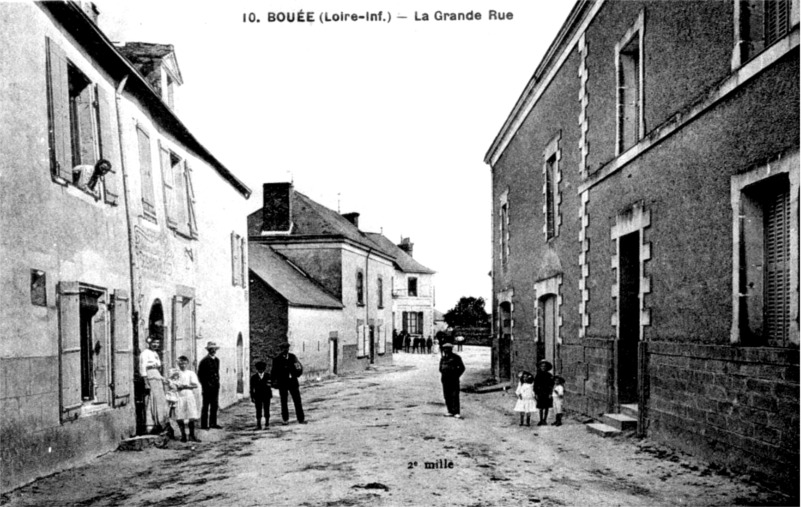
(312, 219)
(295, 286)
(405, 262)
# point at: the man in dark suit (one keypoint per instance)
(208, 372)
(261, 393)
(451, 368)
(285, 375)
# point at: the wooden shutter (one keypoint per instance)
(69, 321)
(382, 341)
(243, 261)
(167, 183)
(146, 171)
(777, 14)
(59, 114)
(777, 267)
(122, 348)
(234, 265)
(359, 338)
(109, 143)
(180, 199)
(190, 200)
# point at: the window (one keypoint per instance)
(359, 288)
(237, 260)
(146, 172)
(505, 235)
(412, 286)
(413, 322)
(170, 92)
(361, 338)
(758, 25)
(96, 365)
(168, 163)
(550, 197)
(380, 288)
(628, 63)
(82, 129)
(766, 259)
(179, 196)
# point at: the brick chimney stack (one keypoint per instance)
(352, 218)
(407, 246)
(277, 210)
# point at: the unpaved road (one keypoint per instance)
(367, 442)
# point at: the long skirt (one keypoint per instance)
(158, 413)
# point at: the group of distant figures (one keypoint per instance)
(404, 342)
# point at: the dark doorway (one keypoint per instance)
(505, 341)
(372, 344)
(334, 354)
(155, 332)
(629, 317)
(546, 348)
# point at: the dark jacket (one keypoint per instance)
(451, 367)
(543, 384)
(260, 387)
(283, 371)
(208, 372)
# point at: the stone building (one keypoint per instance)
(645, 224)
(99, 249)
(330, 251)
(412, 289)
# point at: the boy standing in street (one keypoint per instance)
(260, 393)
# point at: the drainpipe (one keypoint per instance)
(367, 302)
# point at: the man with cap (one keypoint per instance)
(451, 368)
(285, 372)
(208, 372)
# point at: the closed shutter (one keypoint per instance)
(190, 200)
(777, 14)
(243, 261)
(167, 182)
(234, 265)
(69, 323)
(58, 110)
(122, 345)
(109, 144)
(146, 172)
(359, 338)
(180, 204)
(777, 267)
(406, 321)
(382, 340)
(420, 322)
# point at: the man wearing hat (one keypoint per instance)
(285, 372)
(208, 372)
(451, 368)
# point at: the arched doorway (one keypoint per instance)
(240, 365)
(155, 332)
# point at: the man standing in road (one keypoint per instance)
(451, 368)
(285, 372)
(208, 372)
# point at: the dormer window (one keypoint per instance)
(169, 95)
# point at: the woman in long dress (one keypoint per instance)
(186, 412)
(157, 412)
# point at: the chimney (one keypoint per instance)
(277, 210)
(90, 9)
(407, 246)
(352, 218)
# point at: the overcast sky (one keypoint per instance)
(391, 120)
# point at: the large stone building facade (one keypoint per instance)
(645, 224)
(100, 249)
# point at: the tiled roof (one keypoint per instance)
(287, 280)
(405, 262)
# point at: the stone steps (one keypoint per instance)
(620, 421)
(612, 425)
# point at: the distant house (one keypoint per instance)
(285, 302)
(333, 255)
(412, 289)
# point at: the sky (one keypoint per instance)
(388, 119)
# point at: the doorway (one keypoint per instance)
(548, 339)
(505, 340)
(333, 353)
(240, 365)
(629, 317)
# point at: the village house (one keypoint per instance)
(412, 289)
(338, 264)
(116, 224)
(645, 225)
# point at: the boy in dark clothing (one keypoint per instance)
(260, 393)
(451, 368)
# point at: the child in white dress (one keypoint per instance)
(186, 411)
(525, 396)
(558, 398)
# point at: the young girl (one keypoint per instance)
(525, 396)
(558, 397)
(186, 407)
(543, 390)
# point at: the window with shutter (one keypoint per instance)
(359, 288)
(382, 340)
(236, 260)
(777, 266)
(759, 24)
(380, 289)
(146, 173)
(58, 109)
(180, 198)
(629, 91)
(360, 338)
(777, 15)
(122, 356)
(69, 349)
(190, 201)
(550, 211)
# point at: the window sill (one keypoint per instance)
(91, 408)
(359, 304)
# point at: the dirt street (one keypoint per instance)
(381, 438)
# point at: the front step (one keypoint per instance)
(603, 430)
(620, 421)
(631, 410)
